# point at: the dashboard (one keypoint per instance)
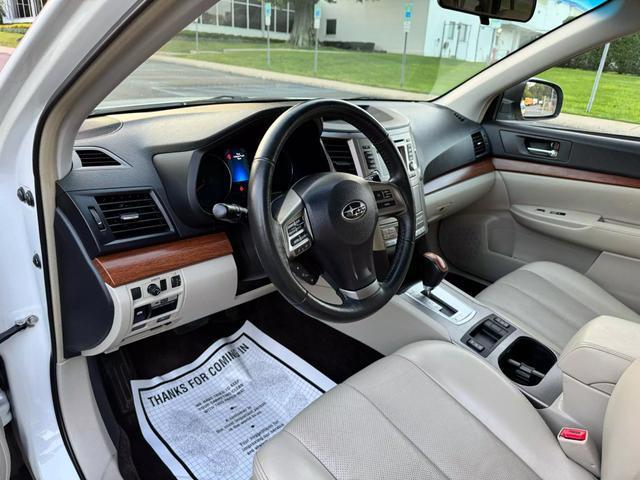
(139, 249)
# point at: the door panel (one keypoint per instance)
(487, 241)
(576, 150)
(580, 208)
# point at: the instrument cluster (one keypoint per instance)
(223, 176)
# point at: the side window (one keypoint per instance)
(601, 89)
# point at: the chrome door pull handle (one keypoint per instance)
(542, 151)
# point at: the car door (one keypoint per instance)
(561, 193)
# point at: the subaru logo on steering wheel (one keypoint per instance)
(354, 210)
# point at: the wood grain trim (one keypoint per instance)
(126, 267)
(555, 171)
(460, 175)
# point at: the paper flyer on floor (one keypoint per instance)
(205, 420)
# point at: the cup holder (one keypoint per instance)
(526, 361)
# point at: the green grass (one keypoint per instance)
(10, 39)
(617, 97)
(423, 74)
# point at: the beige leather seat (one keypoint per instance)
(551, 302)
(432, 411)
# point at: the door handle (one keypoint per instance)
(552, 153)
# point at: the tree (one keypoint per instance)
(2, 11)
(302, 33)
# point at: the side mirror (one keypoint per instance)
(514, 10)
(534, 99)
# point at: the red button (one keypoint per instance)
(577, 434)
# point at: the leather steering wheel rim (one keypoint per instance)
(267, 232)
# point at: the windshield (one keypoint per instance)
(242, 50)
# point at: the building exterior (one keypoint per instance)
(21, 11)
(246, 18)
(433, 32)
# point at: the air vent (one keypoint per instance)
(479, 144)
(96, 158)
(130, 215)
(459, 117)
(370, 157)
(340, 154)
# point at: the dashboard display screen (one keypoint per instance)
(238, 165)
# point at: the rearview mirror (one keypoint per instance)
(534, 99)
(515, 10)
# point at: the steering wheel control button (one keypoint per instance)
(295, 227)
(383, 195)
(304, 274)
(153, 289)
(298, 238)
(384, 198)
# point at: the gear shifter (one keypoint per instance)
(444, 300)
(434, 269)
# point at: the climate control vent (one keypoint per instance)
(340, 154)
(479, 144)
(132, 214)
(96, 158)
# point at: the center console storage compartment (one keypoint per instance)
(526, 361)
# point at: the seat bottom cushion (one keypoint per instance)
(430, 411)
(551, 302)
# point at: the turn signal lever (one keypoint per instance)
(229, 212)
(434, 269)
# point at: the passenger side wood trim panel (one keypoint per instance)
(533, 168)
(460, 175)
(126, 267)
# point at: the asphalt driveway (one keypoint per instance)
(159, 80)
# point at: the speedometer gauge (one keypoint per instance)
(213, 183)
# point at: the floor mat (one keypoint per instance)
(207, 418)
(333, 353)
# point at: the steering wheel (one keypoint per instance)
(332, 217)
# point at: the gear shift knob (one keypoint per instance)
(434, 269)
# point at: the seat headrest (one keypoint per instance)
(620, 445)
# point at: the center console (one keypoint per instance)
(523, 359)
